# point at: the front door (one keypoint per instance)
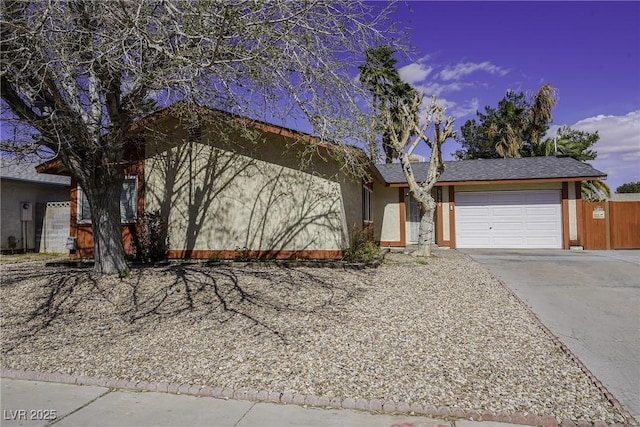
(413, 218)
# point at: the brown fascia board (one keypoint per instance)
(53, 167)
(505, 181)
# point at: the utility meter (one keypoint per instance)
(26, 211)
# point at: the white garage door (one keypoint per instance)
(508, 219)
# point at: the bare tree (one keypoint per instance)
(403, 144)
(76, 75)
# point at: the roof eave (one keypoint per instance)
(507, 181)
(53, 167)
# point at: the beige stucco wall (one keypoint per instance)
(386, 213)
(232, 194)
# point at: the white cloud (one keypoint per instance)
(461, 70)
(443, 102)
(618, 147)
(414, 72)
(469, 107)
(434, 88)
(619, 135)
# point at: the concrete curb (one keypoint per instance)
(629, 419)
(373, 405)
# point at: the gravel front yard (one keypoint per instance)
(441, 332)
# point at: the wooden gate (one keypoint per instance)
(611, 225)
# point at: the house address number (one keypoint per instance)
(598, 212)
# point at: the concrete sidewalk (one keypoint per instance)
(33, 403)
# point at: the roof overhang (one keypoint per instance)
(508, 181)
(53, 167)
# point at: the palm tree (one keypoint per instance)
(521, 126)
(577, 144)
(377, 75)
(540, 114)
(390, 93)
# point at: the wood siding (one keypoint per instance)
(611, 225)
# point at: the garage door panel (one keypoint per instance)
(508, 219)
(542, 226)
(540, 210)
(506, 199)
(507, 226)
(543, 197)
(477, 211)
(472, 200)
(504, 211)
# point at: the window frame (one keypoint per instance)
(367, 198)
(123, 220)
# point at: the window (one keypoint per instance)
(128, 202)
(366, 204)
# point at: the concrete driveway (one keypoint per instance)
(590, 300)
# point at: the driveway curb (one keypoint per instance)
(373, 405)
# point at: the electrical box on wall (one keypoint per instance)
(26, 211)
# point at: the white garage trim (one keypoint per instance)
(508, 219)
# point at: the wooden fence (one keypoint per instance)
(611, 225)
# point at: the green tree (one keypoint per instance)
(78, 74)
(629, 187)
(389, 94)
(578, 145)
(570, 142)
(513, 129)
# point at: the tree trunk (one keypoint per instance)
(104, 200)
(427, 221)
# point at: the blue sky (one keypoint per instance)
(470, 53)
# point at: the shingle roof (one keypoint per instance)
(496, 170)
(12, 170)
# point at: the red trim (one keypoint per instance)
(439, 224)
(565, 215)
(385, 244)
(230, 254)
(452, 218)
(578, 190)
(403, 216)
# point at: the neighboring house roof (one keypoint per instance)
(526, 168)
(12, 170)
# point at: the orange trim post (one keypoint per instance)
(403, 217)
(565, 215)
(439, 213)
(579, 213)
(608, 221)
(452, 218)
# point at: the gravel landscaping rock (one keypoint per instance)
(437, 332)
